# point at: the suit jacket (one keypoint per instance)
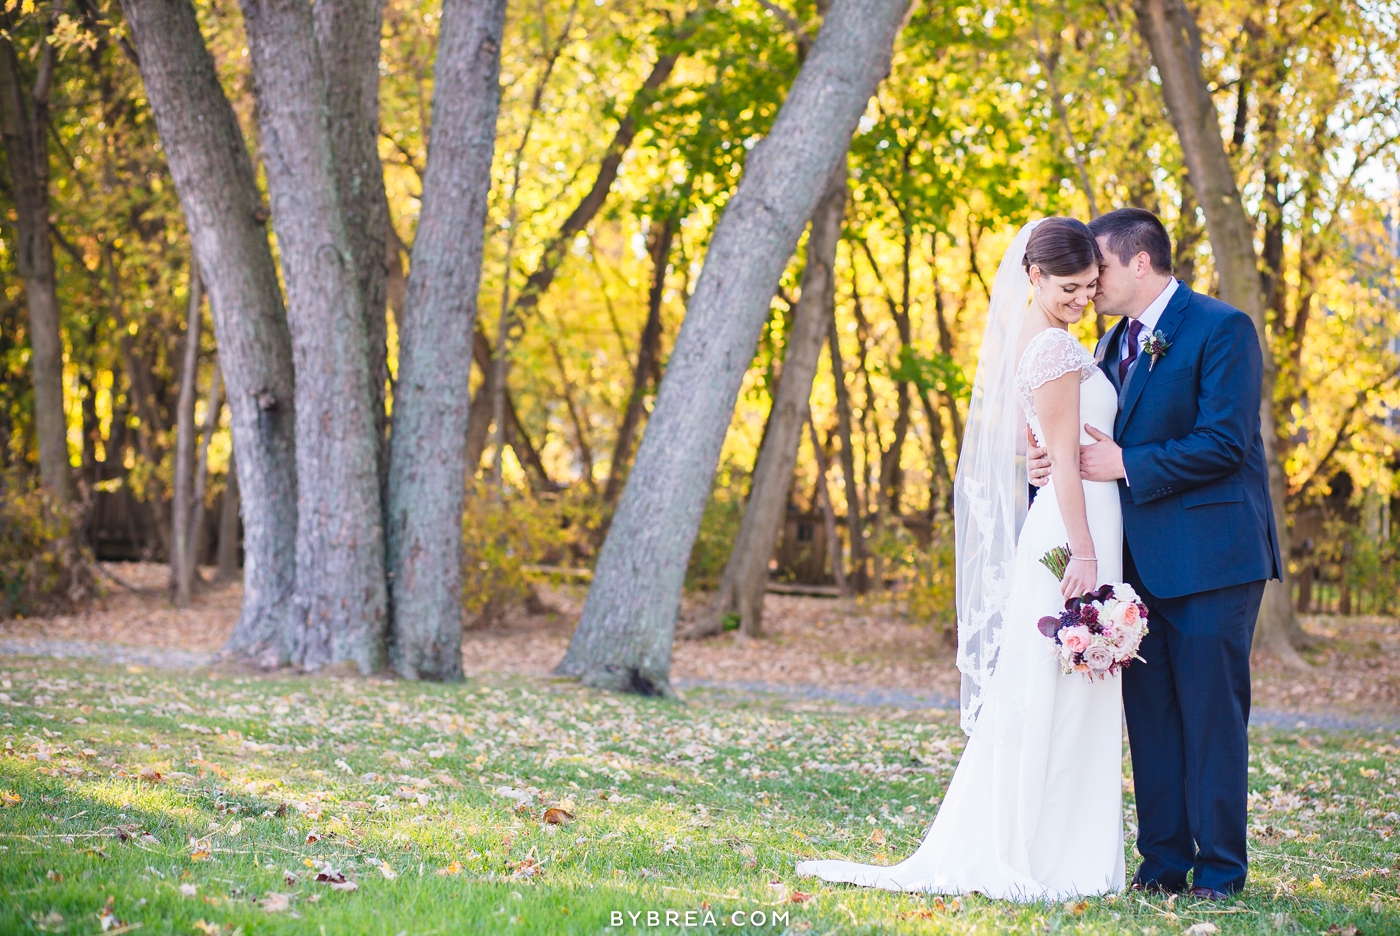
(1197, 515)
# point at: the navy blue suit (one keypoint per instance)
(1200, 543)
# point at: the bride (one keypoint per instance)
(1035, 809)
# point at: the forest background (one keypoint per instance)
(621, 138)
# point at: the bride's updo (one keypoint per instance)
(1061, 247)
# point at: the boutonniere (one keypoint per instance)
(1155, 347)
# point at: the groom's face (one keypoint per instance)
(1117, 285)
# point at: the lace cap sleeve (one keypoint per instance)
(1050, 354)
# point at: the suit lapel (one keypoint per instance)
(1107, 352)
(1138, 376)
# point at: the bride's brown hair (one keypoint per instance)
(1061, 247)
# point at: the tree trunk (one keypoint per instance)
(227, 556)
(340, 573)
(1174, 39)
(833, 539)
(746, 574)
(347, 37)
(624, 638)
(855, 516)
(427, 470)
(182, 557)
(648, 369)
(218, 191)
(213, 405)
(24, 127)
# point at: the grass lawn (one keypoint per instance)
(207, 803)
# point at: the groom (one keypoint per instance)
(1200, 543)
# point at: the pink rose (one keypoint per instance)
(1098, 658)
(1076, 638)
(1123, 641)
(1129, 613)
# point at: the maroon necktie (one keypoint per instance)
(1134, 329)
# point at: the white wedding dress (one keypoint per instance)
(1035, 808)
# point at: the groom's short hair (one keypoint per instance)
(1131, 231)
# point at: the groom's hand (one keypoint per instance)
(1102, 461)
(1037, 461)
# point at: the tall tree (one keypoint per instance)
(347, 37)
(428, 467)
(624, 638)
(24, 128)
(340, 573)
(182, 531)
(745, 578)
(226, 217)
(1173, 37)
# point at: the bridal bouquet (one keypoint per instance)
(1098, 634)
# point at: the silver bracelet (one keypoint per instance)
(1084, 558)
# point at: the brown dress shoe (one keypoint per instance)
(1210, 893)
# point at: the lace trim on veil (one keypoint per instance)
(989, 492)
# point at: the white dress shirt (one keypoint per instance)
(1149, 319)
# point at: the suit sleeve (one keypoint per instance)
(1232, 370)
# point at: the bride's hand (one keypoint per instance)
(1081, 576)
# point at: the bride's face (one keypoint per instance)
(1064, 298)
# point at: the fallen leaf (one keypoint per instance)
(150, 775)
(200, 854)
(877, 837)
(387, 870)
(556, 816)
(1080, 906)
(188, 890)
(798, 896)
(10, 799)
(1201, 929)
(447, 779)
(312, 837)
(107, 915)
(53, 875)
(454, 868)
(275, 903)
(346, 886)
(1337, 929)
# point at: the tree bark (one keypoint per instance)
(427, 470)
(218, 190)
(342, 595)
(347, 37)
(746, 573)
(624, 638)
(648, 369)
(182, 551)
(1173, 37)
(24, 127)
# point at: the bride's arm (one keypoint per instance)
(1057, 404)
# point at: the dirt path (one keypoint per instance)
(856, 653)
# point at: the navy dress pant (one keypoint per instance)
(1187, 709)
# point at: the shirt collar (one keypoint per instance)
(1153, 312)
